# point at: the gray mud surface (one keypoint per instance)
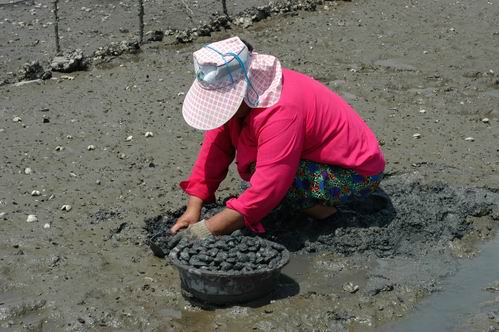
(422, 74)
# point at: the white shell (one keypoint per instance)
(17, 119)
(47, 225)
(129, 138)
(59, 148)
(35, 193)
(417, 135)
(66, 207)
(149, 134)
(28, 170)
(91, 147)
(469, 139)
(350, 287)
(32, 218)
(485, 120)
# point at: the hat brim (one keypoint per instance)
(207, 109)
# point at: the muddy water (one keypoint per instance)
(464, 294)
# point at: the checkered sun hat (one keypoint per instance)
(226, 74)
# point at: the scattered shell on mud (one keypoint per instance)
(149, 134)
(422, 111)
(485, 120)
(59, 148)
(469, 139)
(32, 218)
(350, 287)
(66, 207)
(47, 225)
(416, 135)
(28, 171)
(17, 119)
(129, 138)
(91, 147)
(35, 193)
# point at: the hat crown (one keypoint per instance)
(207, 57)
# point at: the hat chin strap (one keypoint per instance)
(253, 103)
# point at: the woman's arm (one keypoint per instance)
(225, 222)
(212, 164)
(280, 145)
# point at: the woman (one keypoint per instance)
(293, 139)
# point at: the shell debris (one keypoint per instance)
(149, 134)
(32, 218)
(66, 207)
(35, 193)
(350, 287)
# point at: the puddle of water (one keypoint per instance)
(463, 295)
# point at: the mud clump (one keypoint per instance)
(155, 36)
(70, 61)
(33, 71)
(116, 49)
(404, 218)
(231, 253)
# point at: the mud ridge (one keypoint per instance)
(402, 218)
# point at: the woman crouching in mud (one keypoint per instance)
(293, 139)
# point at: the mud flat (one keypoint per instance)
(422, 75)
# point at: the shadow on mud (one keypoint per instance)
(296, 231)
(286, 287)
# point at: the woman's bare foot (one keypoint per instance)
(320, 212)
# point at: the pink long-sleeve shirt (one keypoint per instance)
(309, 122)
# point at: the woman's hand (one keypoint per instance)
(190, 216)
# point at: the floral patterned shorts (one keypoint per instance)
(328, 185)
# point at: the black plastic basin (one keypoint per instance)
(224, 288)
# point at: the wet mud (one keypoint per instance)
(422, 75)
(405, 217)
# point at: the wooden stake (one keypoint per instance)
(224, 6)
(56, 26)
(141, 21)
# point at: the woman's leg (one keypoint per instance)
(320, 212)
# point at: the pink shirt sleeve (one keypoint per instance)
(212, 164)
(280, 142)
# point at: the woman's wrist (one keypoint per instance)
(194, 206)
